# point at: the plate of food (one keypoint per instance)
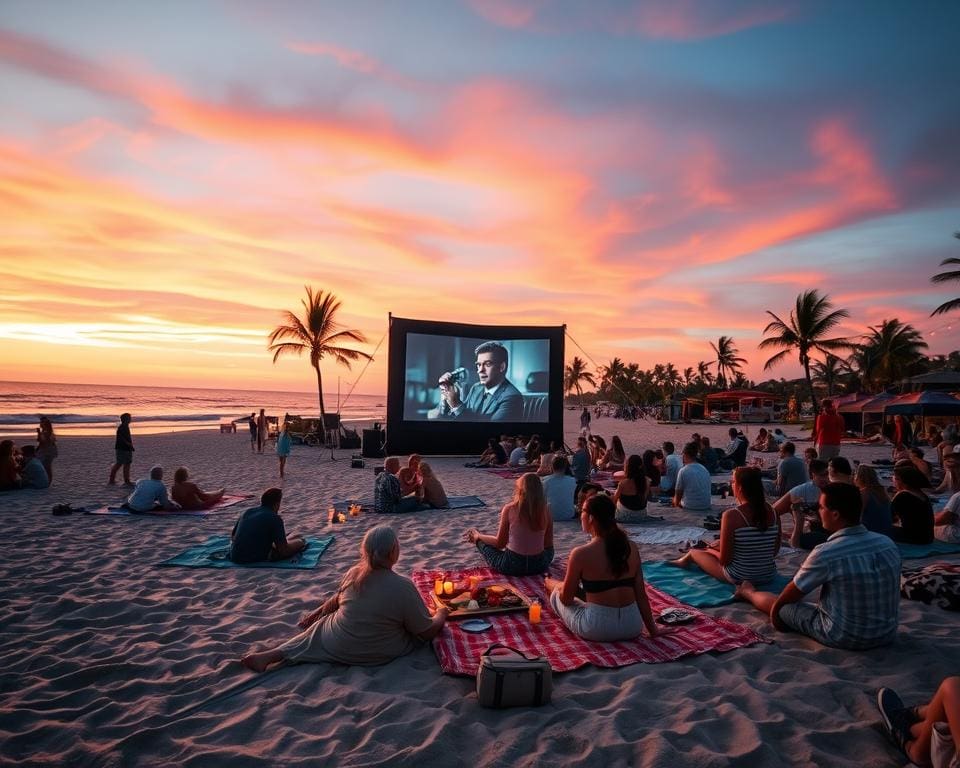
(484, 600)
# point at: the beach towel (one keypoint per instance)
(213, 554)
(454, 502)
(459, 652)
(226, 501)
(917, 551)
(694, 587)
(670, 534)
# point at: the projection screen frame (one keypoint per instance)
(433, 438)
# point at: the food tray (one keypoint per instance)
(463, 613)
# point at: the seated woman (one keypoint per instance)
(586, 492)
(951, 474)
(375, 616)
(602, 596)
(598, 447)
(410, 477)
(431, 489)
(765, 441)
(534, 451)
(614, 457)
(653, 473)
(9, 469)
(911, 509)
(492, 456)
(875, 514)
(188, 495)
(523, 545)
(630, 498)
(546, 460)
(749, 536)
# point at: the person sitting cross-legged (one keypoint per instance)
(693, 482)
(630, 498)
(559, 489)
(259, 533)
(858, 572)
(602, 596)
(523, 545)
(749, 536)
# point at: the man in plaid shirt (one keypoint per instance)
(858, 573)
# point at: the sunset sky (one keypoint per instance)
(652, 174)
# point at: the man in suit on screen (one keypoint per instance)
(493, 398)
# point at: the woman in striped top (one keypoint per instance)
(749, 536)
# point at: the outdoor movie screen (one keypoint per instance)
(473, 379)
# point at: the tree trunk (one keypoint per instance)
(813, 397)
(323, 413)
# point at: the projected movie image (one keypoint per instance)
(475, 380)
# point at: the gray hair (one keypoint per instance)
(376, 552)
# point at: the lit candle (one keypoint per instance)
(343, 518)
(535, 612)
(474, 582)
(438, 587)
(448, 587)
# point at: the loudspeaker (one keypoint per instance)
(372, 444)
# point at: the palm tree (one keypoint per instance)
(727, 360)
(611, 375)
(945, 277)
(703, 373)
(688, 377)
(575, 373)
(671, 377)
(893, 349)
(806, 330)
(827, 372)
(318, 333)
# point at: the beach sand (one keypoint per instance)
(109, 660)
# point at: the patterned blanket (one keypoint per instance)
(459, 651)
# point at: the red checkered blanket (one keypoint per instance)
(459, 651)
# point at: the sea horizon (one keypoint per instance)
(94, 409)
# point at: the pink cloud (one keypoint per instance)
(512, 14)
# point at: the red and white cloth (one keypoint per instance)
(459, 651)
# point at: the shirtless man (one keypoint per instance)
(188, 495)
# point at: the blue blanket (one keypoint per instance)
(696, 588)
(916, 551)
(213, 554)
(455, 502)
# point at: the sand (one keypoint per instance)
(107, 659)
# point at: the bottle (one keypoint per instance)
(534, 612)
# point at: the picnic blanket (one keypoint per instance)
(694, 587)
(213, 554)
(454, 502)
(512, 473)
(226, 501)
(459, 652)
(916, 551)
(670, 534)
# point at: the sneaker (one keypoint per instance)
(895, 716)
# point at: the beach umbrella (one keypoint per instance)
(871, 404)
(929, 402)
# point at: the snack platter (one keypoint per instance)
(490, 599)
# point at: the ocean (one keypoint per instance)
(94, 409)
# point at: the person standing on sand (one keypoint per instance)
(261, 430)
(124, 451)
(283, 447)
(828, 431)
(585, 419)
(253, 432)
(46, 446)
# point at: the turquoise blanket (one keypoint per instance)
(696, 588)
(455, 502)
(916, 551)
(213, 554)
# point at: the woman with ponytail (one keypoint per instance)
(602, 596)
(376, 616)
(749, 536)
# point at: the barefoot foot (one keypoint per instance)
(744, 590)
(258, 662)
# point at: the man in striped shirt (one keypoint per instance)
(858, 573)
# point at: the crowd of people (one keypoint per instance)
(29, 465)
